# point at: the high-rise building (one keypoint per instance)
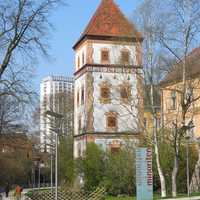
(108, 104)
(56, 94)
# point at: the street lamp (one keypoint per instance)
(189, 135)
(57, 116)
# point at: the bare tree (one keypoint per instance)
(146, 20)
(176, 30)
(17, 97)
(24, 27)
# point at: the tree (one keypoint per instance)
(177, 36)
(66, 161)
(146, 20)
(93, 167)
(17, 97)
(119, 175)
(24, 27)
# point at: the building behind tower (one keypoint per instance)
(56, 94)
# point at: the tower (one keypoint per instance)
(108, 100)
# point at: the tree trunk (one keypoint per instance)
(160, 172)
(174, 176)
(155, 129)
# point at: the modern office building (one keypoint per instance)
(56, 94)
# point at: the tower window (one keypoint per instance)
(77, 98)
(83, 58)
(105, 93)
(125, 92)
(79, 123)
(78, 62)
(104, 56)
(111, 119)
(125, 57)
(82, 95)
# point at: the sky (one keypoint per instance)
(69, 22)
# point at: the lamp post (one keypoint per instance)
(188, 137)
(56, 116)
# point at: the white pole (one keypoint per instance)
(188, 169)
(51, 173)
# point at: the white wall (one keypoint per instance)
(115, 52)
(79, 110)
(126, 121)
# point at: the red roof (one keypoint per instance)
(192, 68)
(109, 21)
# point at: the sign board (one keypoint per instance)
(144, 175)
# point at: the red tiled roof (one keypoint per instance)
(192, 68)
(109, 21)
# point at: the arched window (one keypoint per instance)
(105, 92)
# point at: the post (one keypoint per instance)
(39, 175)
(188, 169)
(56, 169)
(51, 173)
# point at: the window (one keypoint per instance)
(77, 98)
(125, 92)
(104, 56)
(83, 58)
(82, 95)
(78, 62)
(111, 118)
(105, 92)
(115, 150)
(173, 100)
(79, 124)
(125, 57)
(111, 122)
(189, 94)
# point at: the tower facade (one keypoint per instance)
(108, 101)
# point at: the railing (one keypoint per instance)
(67, 194)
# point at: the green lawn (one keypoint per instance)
(156, 197)
(120, 198)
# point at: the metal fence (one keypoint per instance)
(67, 194)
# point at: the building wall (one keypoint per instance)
(171, 114)
(91, 49)
(126, 120)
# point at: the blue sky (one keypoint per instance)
(69, 22)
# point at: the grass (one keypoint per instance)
(156, 197)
